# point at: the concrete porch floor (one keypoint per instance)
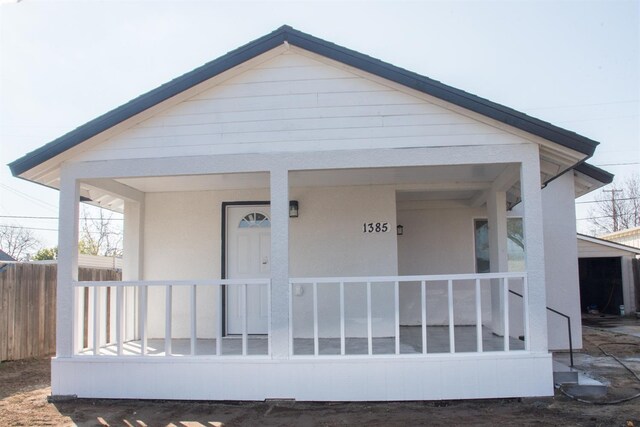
(410, 343)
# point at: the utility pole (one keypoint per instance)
(614, 212)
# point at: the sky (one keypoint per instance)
(575, 64)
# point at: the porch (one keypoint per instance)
(318, 300)
(427, 361)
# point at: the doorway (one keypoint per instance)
(247, 256)
(601, 284)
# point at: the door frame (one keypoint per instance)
(223, 252)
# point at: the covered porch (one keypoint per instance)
(327, 293)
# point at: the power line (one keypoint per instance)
(56, 218)
(28, 228)
(584, 105)
(619, 164)
(579, 203)
(29, 197)
(593, 217)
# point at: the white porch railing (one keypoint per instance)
(502, 280)
(94, 311)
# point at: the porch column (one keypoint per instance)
(279, 263)
(498, 261)
(132, 264)
(132, 253)
(66, 310)
(534, 249)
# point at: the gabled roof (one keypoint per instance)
(609, 243)
(594, 172)
(622, 233)
(321, 47)
(5, 256)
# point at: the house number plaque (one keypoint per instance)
(375, 227)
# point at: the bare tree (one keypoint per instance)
(17, 241)
(617, 207)
(99, 235)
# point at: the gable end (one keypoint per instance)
(321, 47)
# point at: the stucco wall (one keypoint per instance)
(561, 260)
(182, 241)
(440, 240)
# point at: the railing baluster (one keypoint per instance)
(452, 337)
(245, 325)
(119, 320)
(396, 305)
(505, 312)
(245, 337)
(525, 306)
(316, 345)
(143, 318)
(342, 332)
(369, 328)
(478, 317)
(423, 305)
(269, 317)
(167, 323)
(291, 287)
(220, 304)
(96, 320)
(193, 320)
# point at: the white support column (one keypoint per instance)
(132, 265)
(534, 250)
(280, 263)
(67, 266)
(497, 230)
(133, 247)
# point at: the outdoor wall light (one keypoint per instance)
(293, 209)
(399, 230)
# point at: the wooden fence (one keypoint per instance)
(28, 307)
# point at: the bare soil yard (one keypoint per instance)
(25, 385)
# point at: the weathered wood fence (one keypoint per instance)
(28, 307)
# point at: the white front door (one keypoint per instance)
(248, 254)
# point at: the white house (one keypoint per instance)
(304, 221)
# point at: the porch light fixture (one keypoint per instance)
(399, 230)
(293, 209)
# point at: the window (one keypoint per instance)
(515, 245)
(254, 220)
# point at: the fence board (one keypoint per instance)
(28, 307)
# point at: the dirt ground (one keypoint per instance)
(25, 385)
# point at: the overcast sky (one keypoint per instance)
(573, 63)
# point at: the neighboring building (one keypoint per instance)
(5, 256)
(629, 237)
(607, 279)
(304, 221)
(91, 261)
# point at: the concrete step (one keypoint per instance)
(576, 383)
(563, 374)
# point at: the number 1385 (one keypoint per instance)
(375, 227)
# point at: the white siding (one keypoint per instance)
(296, 103)
(96, 261)
(594, 250)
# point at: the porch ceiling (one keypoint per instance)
(426, 183)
